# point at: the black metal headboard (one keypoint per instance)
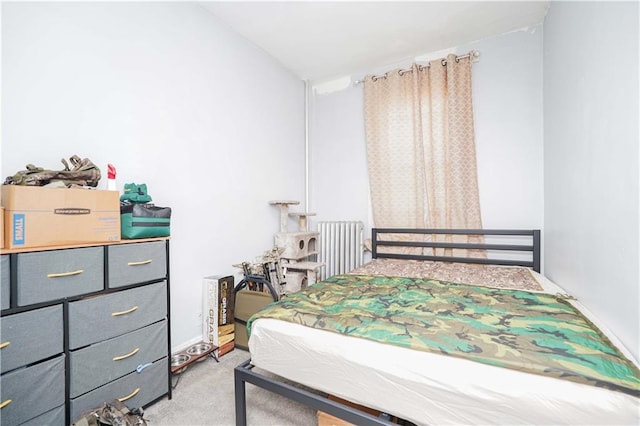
(532, 250)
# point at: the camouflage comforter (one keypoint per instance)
(532, 332)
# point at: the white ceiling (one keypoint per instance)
(320, 40)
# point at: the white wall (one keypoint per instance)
(591, 158)
(173, 99)
(507, 89)
(338, 177)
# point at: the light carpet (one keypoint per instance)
(204, 395)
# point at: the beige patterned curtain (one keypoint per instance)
(420, 146)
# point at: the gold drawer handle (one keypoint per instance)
(121, 357)
(65, 274)
(128, 311)
(144, 262)
(4, 344)
(5, 403)
(131, 395)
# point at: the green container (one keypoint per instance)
(247, 303)
(139, 220)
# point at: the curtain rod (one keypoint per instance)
(474, 54)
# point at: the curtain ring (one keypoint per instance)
(443, 62)
(401, 73)
(457, 60)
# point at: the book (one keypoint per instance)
(217, 312)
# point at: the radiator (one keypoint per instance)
(340, 247)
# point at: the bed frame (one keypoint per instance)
(500, 248)
(244, 373)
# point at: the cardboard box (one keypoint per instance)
(1, 227)
(217, 312)
(37, 216)
(325, 419)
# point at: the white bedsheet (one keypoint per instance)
(428, 388)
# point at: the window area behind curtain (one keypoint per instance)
(420, 147)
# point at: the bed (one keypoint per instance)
(438, 386)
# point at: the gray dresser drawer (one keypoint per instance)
(51, 275)
(99, 318)
(53, 417)
(137, 263)
(4, 281)
(33, 390)
(30, 336)
(106, 361)
(135, 389)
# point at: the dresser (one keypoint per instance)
(83, 325)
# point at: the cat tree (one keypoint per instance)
(299, 246)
